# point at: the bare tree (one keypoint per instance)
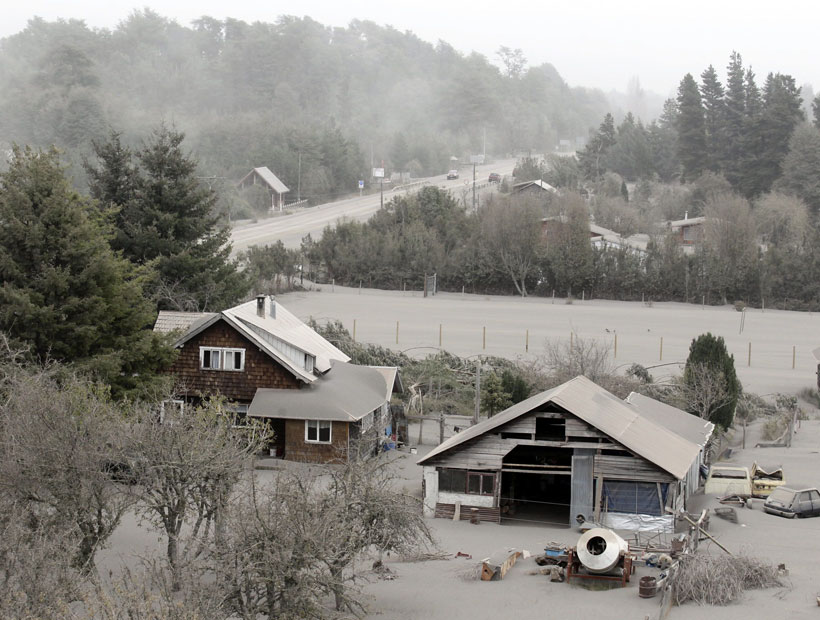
(60, 436)
(705, 390)
(294, 541)
(511, 235)
(563, 360)
(361, 512)
(37, 578)
(186, 467)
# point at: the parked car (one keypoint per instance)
(453, 174)
(494, 177)
(728, 480)
(793, 501)
(766, 479)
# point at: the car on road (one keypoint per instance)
(494, 177)
(728, 480)
(766, 479)
(453, 174)
(793, 501)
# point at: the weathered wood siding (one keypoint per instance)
(629, 468)
(578, 428)
(261, 371)
(297, 449)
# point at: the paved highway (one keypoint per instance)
(290, 229)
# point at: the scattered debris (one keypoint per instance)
(720, 580)
(734, 499)
(382, 571)
(729, 514)
(464, 555)
(495, 567)
(426, 557)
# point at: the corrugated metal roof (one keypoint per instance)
(606, 412)
(689, 221)
(688, 426)
(345, 394)
(284, 327)
(168, 321)
(268, 177)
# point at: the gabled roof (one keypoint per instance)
(168, 321)
(689, 221)
(606, 412)
(269, 178)
(391, 378)
(278, 333)
(537, 183)
(345, 394)
(688, 426)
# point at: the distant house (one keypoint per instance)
(688, 231)
(271, 366)
(570, 454)
(599, 237)
(536, 187)
(264, 177)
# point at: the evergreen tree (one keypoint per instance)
(714, 108)
(734, 127)
(751, 141)
(66, 295)
(801, 167)
(663, 142)
(710, 352)
(691, 129)
(593, 159)
(493, 396)
(782, 112)
(815, 108)
(167, 220)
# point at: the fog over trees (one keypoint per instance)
(273, 93)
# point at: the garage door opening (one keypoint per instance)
(536, 485)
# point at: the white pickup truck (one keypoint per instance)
(728, 480)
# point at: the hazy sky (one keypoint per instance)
(591, 43)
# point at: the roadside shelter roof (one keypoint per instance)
(270, 179)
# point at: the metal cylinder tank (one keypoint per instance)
(599, 550)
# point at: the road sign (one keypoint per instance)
(476, 159)
(378, 173)
(361, 184)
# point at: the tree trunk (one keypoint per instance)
(337, 586)
(173, 562)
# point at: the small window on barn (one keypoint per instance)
(516, 436)
(480, 483)
(309, 362)
(453, 480)
(550, 429)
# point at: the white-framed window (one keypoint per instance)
(170, 408)
(317, 431)
(221, 358)
(240, 415)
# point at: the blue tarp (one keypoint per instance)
(634, 497)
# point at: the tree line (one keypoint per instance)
(503, 247)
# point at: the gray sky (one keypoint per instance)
(591, 42)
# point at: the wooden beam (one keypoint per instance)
(599, 489)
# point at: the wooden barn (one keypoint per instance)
(571, 454)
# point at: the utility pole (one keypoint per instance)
(299, 180)
(477, 390)
(474, 207)
(381, 188)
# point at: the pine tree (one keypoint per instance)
(751, 142)
(166, 220)
(801, 167)
(66, 295)
(691, 129)
(710, 352)
(714, 108)
(782, 112)
(734, 126)
(593, 159)
(663, 142)
(815, 108)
